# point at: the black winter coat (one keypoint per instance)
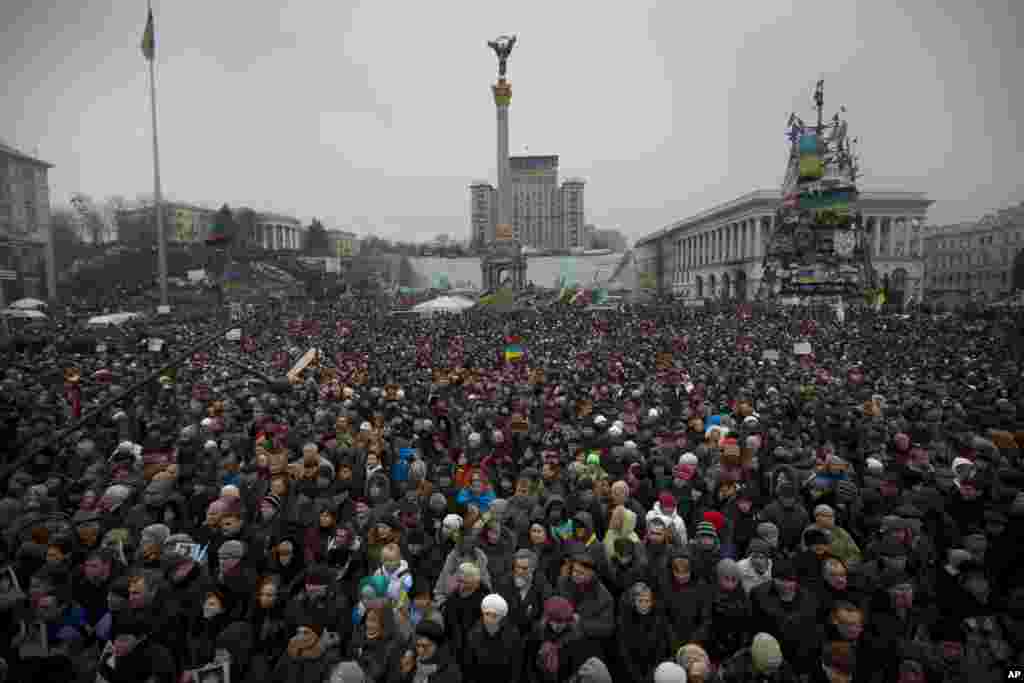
(494, 658)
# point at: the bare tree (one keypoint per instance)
(90, 223)
(112, 205)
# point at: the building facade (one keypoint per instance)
(572, 213)
(343, 244)
(25, 247)
(183, 223)
(483, 200)
(973, 261)
(717, 254)
(545, 215)
(277, 231)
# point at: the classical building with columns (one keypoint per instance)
(717, 254)
(276, 231)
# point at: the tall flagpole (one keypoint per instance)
(157, 198)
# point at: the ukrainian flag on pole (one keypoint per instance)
(149, 38)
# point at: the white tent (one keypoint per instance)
(23, 313)
(444, 304)
(113, 319)
(28, 304)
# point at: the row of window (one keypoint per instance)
(1009, 237)
(959, 278)
(974, 258)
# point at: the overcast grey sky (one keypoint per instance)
(377, 115)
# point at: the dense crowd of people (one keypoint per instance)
(652, 494)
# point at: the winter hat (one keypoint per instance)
(155, 534)
(160, 488)
(431, 630)
(669, 672)
(594, 671)
(273, 501)
(347, 672)
(816, 536)
(728, 568)
(469, 569)
(768, 532)
(495, 603)
(667, 501)
(765, 653)
(688, 459)
(452, 522)
(558, 610)
(706, 529)
(875, 466)
(823, 510)
(692, 654)
(232, 550)
(438, 503)
(716, 518)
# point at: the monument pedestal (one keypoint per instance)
(503, 264)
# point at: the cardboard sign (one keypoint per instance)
(802, 349)
(770, 355)
(663, 361)
(234, 335)
(156, 345)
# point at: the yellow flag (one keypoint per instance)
(149, 38)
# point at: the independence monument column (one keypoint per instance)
(502, 90)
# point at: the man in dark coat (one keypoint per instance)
(788, 611)
(495, 645)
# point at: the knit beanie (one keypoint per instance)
(594, 671)
(431, 630)
(495, 603)
(347, 672)
(716, 518)
(273, 501)
(232, 550)
(767, 531)
(469, 569)
(706, 529)
(155, 534)
(688, 459)
(438, 503)
(691, 654)
(452, 522)
(559, 610)
(765, 653)
(669, 672)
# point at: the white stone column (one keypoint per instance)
(758, 227)
(876, 247)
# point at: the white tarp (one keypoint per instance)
(28, 304)
(444, 304)
(113, 319)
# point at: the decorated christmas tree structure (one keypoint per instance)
(818, 247)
